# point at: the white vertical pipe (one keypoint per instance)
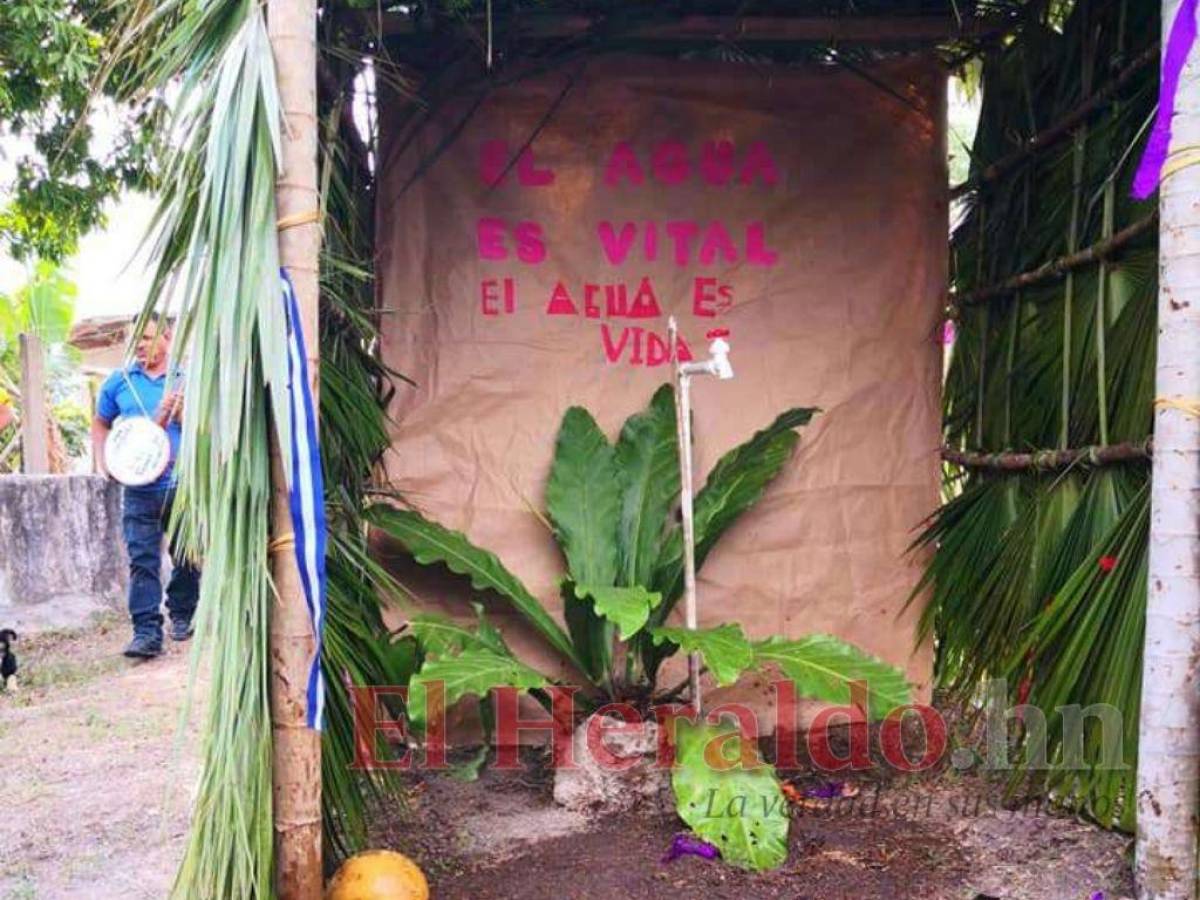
(683, 431)
(1168, 786)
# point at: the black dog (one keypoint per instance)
(8, 659)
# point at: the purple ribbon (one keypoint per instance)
(1179, 45)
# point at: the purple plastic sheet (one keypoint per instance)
(687, 845)
(826, 790)
(1179, 45)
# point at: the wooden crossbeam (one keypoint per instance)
(1055, 268)
(741, 29)
(1046, 460)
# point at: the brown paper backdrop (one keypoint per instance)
(845, 321)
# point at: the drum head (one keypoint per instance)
(137, 451)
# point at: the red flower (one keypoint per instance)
(1107, 563)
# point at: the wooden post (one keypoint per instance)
(1168, 778)
(92, 390)
(292, 27)
(35, 450)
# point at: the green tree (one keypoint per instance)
(43, 306)
(68, 152)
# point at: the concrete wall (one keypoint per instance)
(61, 553)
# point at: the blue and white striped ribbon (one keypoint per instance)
(306, 495)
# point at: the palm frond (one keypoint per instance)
(1013, 588)
(215, 237)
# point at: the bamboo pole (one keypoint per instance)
(296, 762)
(1168, 786)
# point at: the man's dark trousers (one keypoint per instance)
(144, 519)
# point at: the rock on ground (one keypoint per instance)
(595, 783)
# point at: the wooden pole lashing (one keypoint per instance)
(296, 762)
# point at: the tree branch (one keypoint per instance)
(1040, 460)
(1056, 267)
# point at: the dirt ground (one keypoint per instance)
(95, 793)
(503, 837)
(95, 786)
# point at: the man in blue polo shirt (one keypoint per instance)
(138, 390)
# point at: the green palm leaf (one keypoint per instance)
(1083, 651)
(356, 650)
(583, 498)
(967, 532)
(215, 238)
(825, 668)
(431, 543)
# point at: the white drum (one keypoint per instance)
(137, 451)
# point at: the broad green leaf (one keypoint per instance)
(487, 633)
(430, 543)
(739, 809)
(724, 648)
(733, 486)
(824, 668)
(473, 672)
(626, 607)
(583, 498)
(440, 636)
(648, 457)
(591, 634)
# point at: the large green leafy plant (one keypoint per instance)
(613, 507)
(43, 307)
